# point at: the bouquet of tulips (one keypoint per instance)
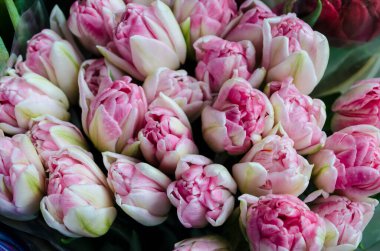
(204, 120)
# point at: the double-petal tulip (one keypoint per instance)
(301, 116)
(220, 60)
(349, 162)
(203, 192)
(272, 166)
(345, 220)
(249, 24)
(359, 105)
(292, 48)
(54, 58)
(139, 188)
(22, 178)
(146, 38)
(280, 222)
(190, 94)
(49, 134)
(167, 135)
(200, 18)
(238, 118)
(92, 21)
(78, 201)
(204, 243)
(94, 76)
(114, 116)
(25, 98)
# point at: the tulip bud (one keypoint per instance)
(91, 21)
(167, 135)
(348, 162)
(203, 192)
(139, 188)
(280, 222)
(55, 59)
(345, 220)
(249, 24)
(209, 243)
(272, 166)
(49, 134)
(95, 75)
(25, 98)
(359, 105)
(114, 116)
(200, 18)
(292, 48)
(191, 95)
(146, 38)
(238, 118)
(220, 60)
(22, 178)
(78, 202)
(289, 103)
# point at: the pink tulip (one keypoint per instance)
(190, 94)
(114, 116)
(289, 103)
(94, 76)
(91, 21)
(139, 188)
(220, 60)
(272, 166)
(22, 178)
(78, 202)
(167, 135)
(359, 105)
(238, 118)
(146, 38)
(249, 24)
(203, 192)
(348, 164)
(25, 98)
(280, 222)
(345, 220)
(200, 18)
(204, 243)
(49, 134)
(292, 48)
(55, 59)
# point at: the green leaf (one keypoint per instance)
(312, 18)
(13, 12)
(4, 56)
(371, 234)
(348, 65)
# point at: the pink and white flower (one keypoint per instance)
(292, 48)
(25, 98)
(345, 220)
(203, 192)
(190, 94)
(78, 201)
(272, 166)
(301, 116)
(166, 136)
(280, 222)
(239, 117)
(359, 105)
(139, 188)
(145, 39)
(349, 162)
(22, 178)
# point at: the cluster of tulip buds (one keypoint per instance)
(254, 71)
